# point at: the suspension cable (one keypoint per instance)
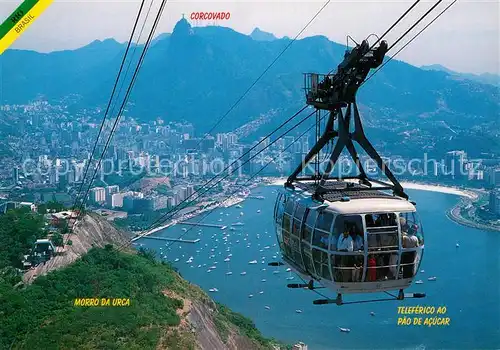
(261, 75)
(163, 218)
(234, 162)
(415, 24)
(413, 38)
(388, 30)
(127, 95)
(109, 103)
(268, 67)
(242, 185)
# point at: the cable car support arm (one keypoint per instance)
(333, 93)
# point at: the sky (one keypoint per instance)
(466, 38)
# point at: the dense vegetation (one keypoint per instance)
(19, 229)
(43, 315)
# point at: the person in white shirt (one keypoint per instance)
(345, 244)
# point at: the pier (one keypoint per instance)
(256, 197)
(170, 239)
(222, 227)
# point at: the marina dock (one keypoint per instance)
(202, 224)
(172, 239)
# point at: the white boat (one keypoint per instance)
(288, 269)
(243, 273)
(238, 206)
(346, 330)
(250, 295)
(213, 267)
(184, 229)
(422, 271)
(258, 211)
(263, 280)
(229, 273)
(177, 259)
(290, 278)
(227, 259)
(419, 282)
(213, 290)
(261, 292)
(298, 311)
(267, 307)
(241, 214)
(253, 262)
(372, 313)
(432, 278)
(275, 272)
(458, 245)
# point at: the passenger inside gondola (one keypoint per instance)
(358, 241)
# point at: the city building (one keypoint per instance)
(494, 177)
(454, 162)
(15, 174)
(98, 195)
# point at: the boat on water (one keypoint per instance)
(298, 311)
(229, 273)
(243, 273)
(238, 224)
(267, 307)
(213, 290)
(419, 282)
(432, 278)
(345, 330)
(252, 262)
(238, 206)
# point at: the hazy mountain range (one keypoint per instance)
(197, 74)
(485, 78)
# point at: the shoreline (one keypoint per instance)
(469, 195)
(228, 202)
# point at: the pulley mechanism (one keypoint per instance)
(333, 93)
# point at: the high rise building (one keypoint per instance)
(15, 174)
(454, 163)
(494, 177)
(494, 202)
(98, 194)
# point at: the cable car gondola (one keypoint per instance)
(349, 234)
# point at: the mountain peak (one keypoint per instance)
(260, 35)
(182, 28)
